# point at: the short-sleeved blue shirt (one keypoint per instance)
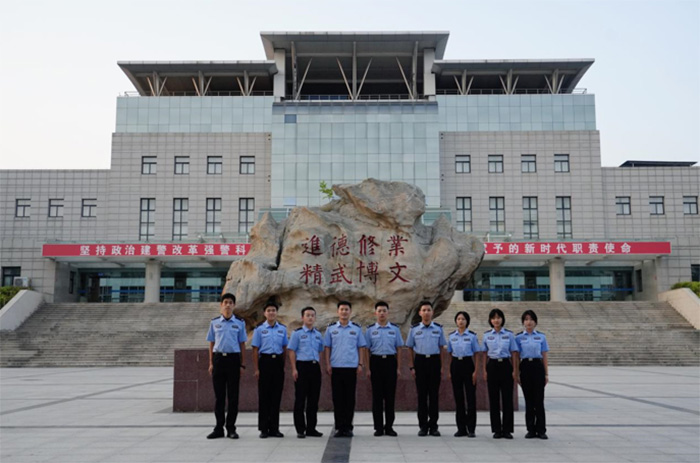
(426, 340)
(306, 344)
(383, 340)
(270, 339)
(499, 345)
(344, 342)
(463, 345)
(531, 345)
(227, 335)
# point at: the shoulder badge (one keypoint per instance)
(472, 332)
(216, 318)
(260, 324)
(356, 324)
(281, 324)
(519, 333)
(414, 325)
(299, 329)
(452, 333)
(437, 324)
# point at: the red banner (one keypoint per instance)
(144, 250)
(582, 248)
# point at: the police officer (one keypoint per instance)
(227, 337)
(534, 374)
(344, 342)
(304, 347)
(499, 373)
(383, 340)
(464, 347)
(425, 341)
(269, 347)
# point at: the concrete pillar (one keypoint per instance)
(428, 76)
(279, 84)
(152, 281)
(557, 284)
(650, 284)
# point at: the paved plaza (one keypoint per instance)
(595, 414)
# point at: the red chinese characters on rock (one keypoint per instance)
(313, 272)
(312, 246)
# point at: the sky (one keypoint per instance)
(59, 77)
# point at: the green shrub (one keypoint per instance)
(7, 293)
(694, 286)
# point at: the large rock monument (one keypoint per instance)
(366, 246)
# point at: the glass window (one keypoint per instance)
(181, 207)
(213, 219)
(561, 163)
(564, 229)
(690, 205)
(247, 166)
(656, 205)
(182, 165)
(22, 207)
(497, 214)
(464, 213)
(530, 221)
(147, 218)
(148, 165)
(246, 214)
(623, 205)
(290, 118)
(463, 164)
(9, 274)
(694, 272)
(89, 207)
(495, 163)
(528, 163)
(215, 165)
(56, 207)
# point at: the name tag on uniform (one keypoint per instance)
(491, 338)
(435, 333)
(303, 336)
(504, 337)
(264, 331)
(217, 326)
(391, 333)
(418, 333)
(537, 338)
(353, 333)
(465, 340)
(334, 332)
(375, 333)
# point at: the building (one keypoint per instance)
(508, 149)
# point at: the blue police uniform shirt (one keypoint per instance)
(383, 340)
(426, 340)
(270, 339)
(531, 345)
(499, 345)
(344, 342)
(306, 344)
(463, 345)
(227, 334)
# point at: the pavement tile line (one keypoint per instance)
(337, 450)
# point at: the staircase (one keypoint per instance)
(579, 333)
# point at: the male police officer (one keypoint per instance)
(426, 340)
(227, 337)
(383, 340)
(344, 342)
(304, 347)
(269, 346)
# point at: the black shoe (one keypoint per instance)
(543, 436)
(390, 432)
(471, 434)
(314, 433)
(530, 435)
(215, 434)
(378, 433)
(460, 433)
(435, 433)
(497, 435)
(301, 435)
(507, 435)
(232, 435)
(348, 434)
(276, 434)
(423, 432)
(263, 435)
(339, 433)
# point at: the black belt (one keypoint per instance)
(499, 360)
(530, 360)
(427, 356)
(272, 356)
(227, 354)
(384, 356)
(461, 358)
(308, 361)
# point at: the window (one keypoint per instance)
(639, 280)
(690, 205)
(214, 165)
(530, 225)
(290, 118)
(623, 205)
(148, 165)
(561, 163)
(564, 229)
(181, 207)
(56, 207)
(656, 205)
(497, 214)
(22, 207)
(495, 163)
(147, 218)
(213, 224)
(247, 166)
(694, 272)
(89, 208)
(463, 164)
(9, 274)
(464, 214)
(246, 214)
(182, 165)
(528, 163)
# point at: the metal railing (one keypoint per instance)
(135, 94)
(517, 91)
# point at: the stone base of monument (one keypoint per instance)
(193, 390)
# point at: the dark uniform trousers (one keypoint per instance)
(226, 375)
(532, 382)
(383, 378)
(500, 384)
(461, 371)
(270, 384)
(343, 383)
(307, 391)
(428, 385)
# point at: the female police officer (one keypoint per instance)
(464, 345)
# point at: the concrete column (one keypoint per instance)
(279, 83)
(428, 76)
(152, 281)
(557, 285)
(650, 284)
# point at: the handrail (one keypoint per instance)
(518, 91)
